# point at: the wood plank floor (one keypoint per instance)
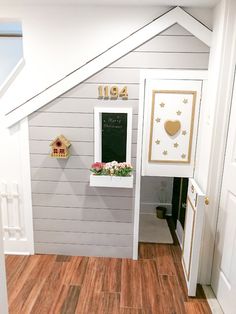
(154, 284)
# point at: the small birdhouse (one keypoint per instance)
(60, 147)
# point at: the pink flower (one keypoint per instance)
(97, 165)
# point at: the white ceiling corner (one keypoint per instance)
(182, 3)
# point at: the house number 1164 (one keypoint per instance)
(113, 92)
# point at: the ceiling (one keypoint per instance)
(187, 3)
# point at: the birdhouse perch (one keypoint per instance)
(60, 147)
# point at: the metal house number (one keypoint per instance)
(113, 92)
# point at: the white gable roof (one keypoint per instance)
(176, 15)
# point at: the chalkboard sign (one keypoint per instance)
(114, 136)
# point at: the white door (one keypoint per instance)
(224, 265)
(171, 118)
(192, 235)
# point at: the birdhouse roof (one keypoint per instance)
(61, 138)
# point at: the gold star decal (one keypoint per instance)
(176, 145)
(158, 120)
(162, 104)
(158, 142)
(178, 112)
(184, 132)
(185, 101)
(165, 152)
(183, 156)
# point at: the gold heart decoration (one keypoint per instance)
(172, 127)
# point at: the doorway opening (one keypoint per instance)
(162, 209)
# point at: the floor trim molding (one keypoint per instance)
(212, 301)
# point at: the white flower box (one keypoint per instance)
(112, 181)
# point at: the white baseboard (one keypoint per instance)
(179, 233)
(17, 247)
(212, 301)
(150, 208)
(17, 253)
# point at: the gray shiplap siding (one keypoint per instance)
(83, 214)
(70, 217)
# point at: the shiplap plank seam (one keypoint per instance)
(81, 195)
(134, 67)
(78, 232)
(82, 244)
(80, 207)
(170, 52)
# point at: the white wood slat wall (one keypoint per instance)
(70, 217)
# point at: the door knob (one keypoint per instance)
(207, 201)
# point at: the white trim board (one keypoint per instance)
(11, 77)
(17, 200)
(177, 15)
(98, 130)
(179, 231)
(211, 300)
(223, 88)
(27, 213)
(144, 75)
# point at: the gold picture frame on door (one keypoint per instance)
(171, 126)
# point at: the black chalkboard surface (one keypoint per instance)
(114, 136)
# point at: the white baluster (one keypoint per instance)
(16, 208)
(10, 226)
(4, 208)
(13, 211)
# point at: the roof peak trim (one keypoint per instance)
(174, 16)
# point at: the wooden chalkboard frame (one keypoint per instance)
(98, 130)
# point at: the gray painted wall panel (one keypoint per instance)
(115, 76)
(74, 162)
(61, 119)
(43, 147)
(90, 91)
(69, 216)
(84, 238)
(87, 105)
(88, 214)
(60, 175)
(80, 135)
(176, 30)
(176, 44)
(83, 226)
(49, 133)
(57, 119)
(77, 148)
(76, 188)
(78, 201)
(153, 60)
(83, 250)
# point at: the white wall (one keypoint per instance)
(10, 54)
(59, 39)
(156, 191)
